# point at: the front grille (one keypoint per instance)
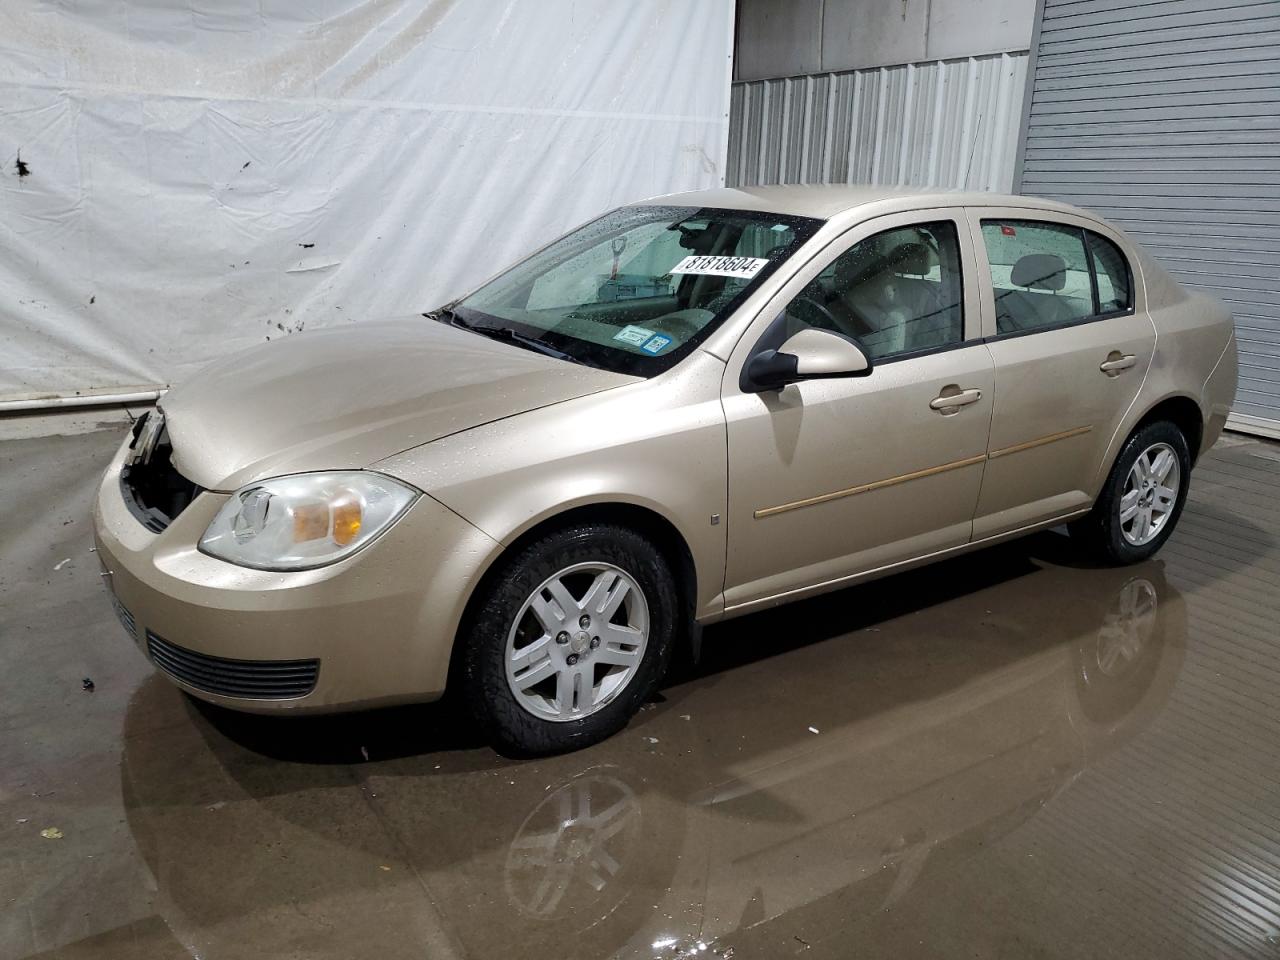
(246, 679)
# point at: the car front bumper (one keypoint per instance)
(375, 628)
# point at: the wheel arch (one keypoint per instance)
(1178, 408)
(643, 519)
(1184, 413)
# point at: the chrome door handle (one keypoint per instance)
(951, 402)
(1117, 362)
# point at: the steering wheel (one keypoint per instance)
(831, 322)
(826, 317)
(681, 324)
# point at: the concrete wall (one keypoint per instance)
(786, 38)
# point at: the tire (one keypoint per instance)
(522, 708)
(1119, 541)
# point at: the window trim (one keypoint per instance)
(983, 218)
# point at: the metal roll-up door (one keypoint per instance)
(1164, 116)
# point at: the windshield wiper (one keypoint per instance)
(504, 333)
(520, 340)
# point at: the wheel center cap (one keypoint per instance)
(579, 643)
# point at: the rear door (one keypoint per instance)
(1065, 320)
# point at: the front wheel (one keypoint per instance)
(573, 632)
(1143, 497)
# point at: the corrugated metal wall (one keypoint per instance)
(950, 123)
(1165, 117)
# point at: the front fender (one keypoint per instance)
(659, 444)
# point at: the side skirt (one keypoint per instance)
(840, 582)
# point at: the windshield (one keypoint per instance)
(636, 290)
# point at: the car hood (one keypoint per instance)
(343, 398)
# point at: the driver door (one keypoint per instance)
(829, 479)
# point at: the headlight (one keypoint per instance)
(304, 521)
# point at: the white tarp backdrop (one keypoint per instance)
(184, 178)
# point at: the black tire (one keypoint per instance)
(1100, 531)
(482, 643)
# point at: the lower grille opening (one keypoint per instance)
(245, 679)
(126, 618)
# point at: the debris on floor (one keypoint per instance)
(87, 685)
(60, 564)
(814, 730)
(51, 833)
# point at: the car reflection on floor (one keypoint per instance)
(764, 797)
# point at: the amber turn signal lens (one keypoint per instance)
(347, 518)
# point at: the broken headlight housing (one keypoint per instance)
(306, 520)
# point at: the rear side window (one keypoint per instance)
(1115, 280)
(1049, 275)
(1040, 272)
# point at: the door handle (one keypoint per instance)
(1116, 363)
(948, 403)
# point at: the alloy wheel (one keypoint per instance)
(577, 641)
(1150, 494)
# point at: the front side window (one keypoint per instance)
(637, 289)
(898, 292)
(1040, 273)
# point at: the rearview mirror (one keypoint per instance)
(810, 354)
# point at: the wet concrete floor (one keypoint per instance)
(1006, 755)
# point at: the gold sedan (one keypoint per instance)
(685, 410)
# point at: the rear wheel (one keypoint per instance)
(1142, 499)
(573, 633)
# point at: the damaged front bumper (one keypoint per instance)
(375, 628)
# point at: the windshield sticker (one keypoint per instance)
(656, 344)
(743, 267)
(633, 335)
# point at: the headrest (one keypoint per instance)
(912, 257)
(1040, 271)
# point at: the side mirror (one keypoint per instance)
(811, 354)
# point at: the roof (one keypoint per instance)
(825, 201)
